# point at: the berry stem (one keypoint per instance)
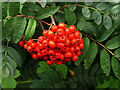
(41, 25)
(101, 45)
(53, 20)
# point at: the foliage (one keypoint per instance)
(98, 65)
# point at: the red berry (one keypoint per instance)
(51, 52)
(74, 42)
(72, 28)
(55, 38)
(44, 52)
(52, 58)
(25, 46)
(58, 62)
(81, 40)
(68, 55)
(72, 49)
(21, 43)
(62, 57)
(39, 55)
(60, 45)
(77, 48)
(62, 25)
(71, 36)
(60, 31)
(37, 49)
(50, 33)
(34, 56)
(40, 39)
(51, 44)
(78, 53)
(67, 31)
(57, 55)
(45, 43)
(33, 45)
(29, 49)
(77, 34)
(75, 58)
(81, 46)
(62, 38)
(45, 58)
(40, 46)
(67, 43)
(45, 32)
(49, 62)
(54, 28)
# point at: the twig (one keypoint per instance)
(53, 20)
(50, 26)
(101, 45)
(41, 25)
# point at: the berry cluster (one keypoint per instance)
(58, 45)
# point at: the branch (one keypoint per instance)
(101, 45)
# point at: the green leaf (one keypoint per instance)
(62, 69)
(5, 71)
(87, 27)
(4, 10)
(17, 74)
(30, 29)
(97, 17)
(115, 10)
(43, 3)
(116, 67)
(86, 12)
(14, 8)
(107, 33)
(88, 3)
(107, 21)
(105, 61)
(7, 28)
(28, 8)
(117, 52)
(43, 67)
(46, 12)
(72, 7)
(104, 85)
(70, 16)
(102, 6)
(113, 43)
(15, 56)
(19, 29)
(9, 83)
(91, 54)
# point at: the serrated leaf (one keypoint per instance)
(105, 61)
(18, 29)
(97, 17)
(7, 28)
(113, 43)
(9, 83)
(102, 6)
(17, 74)
(115, 10)
(107, 21)
(15, 56)
(30, 29)
(91, 54)
(62, 69)
(43, 67)
(14, 8)
(70, 16)
(86, 12)
(46, 12)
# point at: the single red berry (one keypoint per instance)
(77, 34)
(75, 58)
(44, 52)
(29, 42)
(54, 28)
(72, 28)
(37, 49)
(62, 38)
(62, 25)
(81, 40)
(71, 36)
(49, 62)
(51, 44)
(57, 55)
(45, 43)
(39, 55)
(67, 59)
(45, 32)
(34, 56)
(25, 46)
(74, 42)
(60, 45)
(77, 48)
(72, 49)
(45, 58)
(67, 43)
(40, 39)
(67, 31)
(60, 31)
(33, 45)
(55, 38)
(78, 53)
(40, 46)
(21, 43)
(50, 33)
(58, 62)
(29, 49)
(62, 57)
(52, 58)
(68, 55)
(81, 46)
(51, 52)
(44, 38)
